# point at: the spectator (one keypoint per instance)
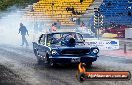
(73, 12)
(82, 25)
(109, 4)
(32, 9)
(81, 1)
(72, 9)
(129, 13)
(53, 28)
(67, 9)
(23, 30)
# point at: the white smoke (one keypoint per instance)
(9, 27)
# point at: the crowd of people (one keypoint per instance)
(73, 11)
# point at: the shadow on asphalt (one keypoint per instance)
(8, 77)
(72, 67)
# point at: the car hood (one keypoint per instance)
(78, 45)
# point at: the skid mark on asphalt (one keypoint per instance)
(41, 75)
(22, 61)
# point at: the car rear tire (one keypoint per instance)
(46, 59)
(35, 52)
(40, 62)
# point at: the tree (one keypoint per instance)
(4, 4)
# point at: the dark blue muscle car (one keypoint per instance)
(64, 48)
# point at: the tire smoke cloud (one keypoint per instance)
(9, 26)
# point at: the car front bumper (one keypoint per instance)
(67, 59)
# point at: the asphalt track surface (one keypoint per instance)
(21, 68)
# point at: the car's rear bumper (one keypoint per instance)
(67, 59)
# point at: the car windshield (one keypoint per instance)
(56, 38)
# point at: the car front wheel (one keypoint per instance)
(88, 64)
(52, 64)
(40, 62)
(35, 52)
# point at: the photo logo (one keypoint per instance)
(102, 75)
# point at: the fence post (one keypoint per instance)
(125, 50)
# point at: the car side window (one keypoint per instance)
(42, 39)
(48, 39)
(79, 37)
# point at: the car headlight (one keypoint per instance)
(95, 51)
(54, 52)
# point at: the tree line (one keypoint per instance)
(4, 4)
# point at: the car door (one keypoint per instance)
(41, 49)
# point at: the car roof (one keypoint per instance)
(60, 32)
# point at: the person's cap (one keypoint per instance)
(21, 24)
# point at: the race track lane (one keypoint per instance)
(23, 62)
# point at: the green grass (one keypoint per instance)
(4, 4)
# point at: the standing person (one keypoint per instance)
(53, 28)
(23, 30)
(83, 28)
(83, 24)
